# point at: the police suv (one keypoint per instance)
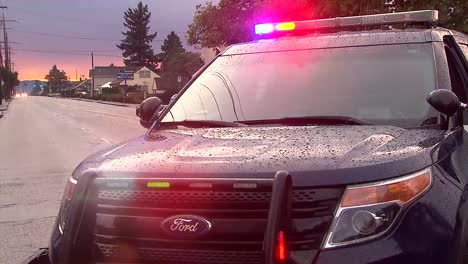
(324, 141)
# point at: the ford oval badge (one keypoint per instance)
(185, 226)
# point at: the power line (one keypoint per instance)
(46, 34)
(63, 18)
(66, 18)
(64, 36)
(67, 53)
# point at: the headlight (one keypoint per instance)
(66, 201)
(368, 211)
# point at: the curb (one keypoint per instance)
(101, 102)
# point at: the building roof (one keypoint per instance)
(112, 71)
(106, 71)
(82, 83)
(116, 82)
(106, 85)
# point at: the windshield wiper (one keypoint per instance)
(310, 120)
(201, 123)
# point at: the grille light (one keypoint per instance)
(281, 248)
(158, 184)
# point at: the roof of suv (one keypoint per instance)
(340, 39)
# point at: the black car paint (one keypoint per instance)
(320, 156)
(410, 241)
(407, 241)
(330, 155)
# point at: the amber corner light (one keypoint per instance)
(402, 190)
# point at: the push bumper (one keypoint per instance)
(39, 257)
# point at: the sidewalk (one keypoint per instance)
(4, 107)
(104, 102)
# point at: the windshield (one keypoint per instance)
(379, 84)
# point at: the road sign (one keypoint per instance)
(125, 76)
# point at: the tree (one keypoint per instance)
(172, 46)
(232, 21)
(184, 64)
(10, 80)
(136, 45)
(57, 79)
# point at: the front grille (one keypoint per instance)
(200, 196)
(195, 196)
(127, 224)
(170, 256)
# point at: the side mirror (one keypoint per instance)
(446, 102)
(148, 111)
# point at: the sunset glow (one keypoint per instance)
(37, 66)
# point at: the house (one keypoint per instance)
(83, 88)
(69, 88)
(103, 75)
(145, 79)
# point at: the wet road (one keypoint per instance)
(42, 140)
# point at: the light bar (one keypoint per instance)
(422, 16)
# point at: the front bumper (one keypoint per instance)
(425, 233)
(39, 257)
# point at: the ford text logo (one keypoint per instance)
(186, 226)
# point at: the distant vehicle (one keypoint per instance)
(332, 141)
(21, 95)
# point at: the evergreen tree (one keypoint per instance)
(136, 45)
(171, 47)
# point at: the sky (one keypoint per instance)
(64, 32)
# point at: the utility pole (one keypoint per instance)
(5, 38)
(92, 76)
(1, 65)
(1, 58)
(7, 60)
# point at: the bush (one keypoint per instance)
(132, 98)
(115, 97)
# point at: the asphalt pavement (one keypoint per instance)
(42, 140)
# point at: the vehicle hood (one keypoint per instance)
(326, 154)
